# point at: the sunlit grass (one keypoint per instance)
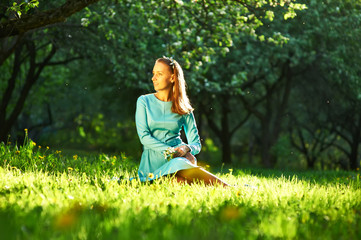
(77, 198)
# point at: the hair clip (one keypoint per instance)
(171, 61)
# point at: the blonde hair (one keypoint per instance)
(179, 98)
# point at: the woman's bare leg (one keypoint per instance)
(200, 174)
(180, 179)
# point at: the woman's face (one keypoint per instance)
(162, 77)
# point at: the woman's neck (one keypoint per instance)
(163, 96)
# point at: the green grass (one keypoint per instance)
(44, 195)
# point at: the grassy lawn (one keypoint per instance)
(44, 195)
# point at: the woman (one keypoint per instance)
(159, 118)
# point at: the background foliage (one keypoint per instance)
(274, 83)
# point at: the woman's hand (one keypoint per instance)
(191, 158)
(181, 151)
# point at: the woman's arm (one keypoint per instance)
(143, 131)
(191, 131)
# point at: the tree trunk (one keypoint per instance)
(311, 162)
(5, 100)
(354, 163)
(271, 126)
(250, 150)
(8, 46)
(226, 150)
(266, 143)
(32, 75)
(225, 131)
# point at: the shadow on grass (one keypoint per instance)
(323, 177)
(326, 177)
(226, 221)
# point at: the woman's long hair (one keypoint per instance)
(179, 98)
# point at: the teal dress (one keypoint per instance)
(158, 129)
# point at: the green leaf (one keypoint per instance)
(270, 15)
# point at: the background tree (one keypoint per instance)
(251, 68)
(32, 51)
(19, 17)
(333, 78)
(196, 32)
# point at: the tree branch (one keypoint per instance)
(294, 144)
(66, 61)
(33, 74)
(342, 149)
(342, 135)
(8, 46)
(251, 109)
(240, 124)
(21, 25)
(213, 125)
(11, 85)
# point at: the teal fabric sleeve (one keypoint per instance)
(143, 131)
(191, 131)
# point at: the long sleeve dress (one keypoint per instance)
(158, 129)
